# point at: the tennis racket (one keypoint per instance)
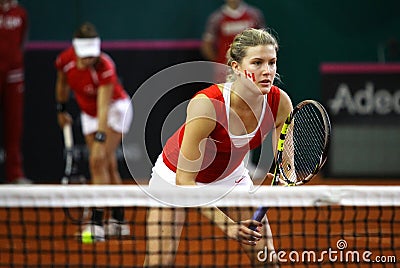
(71, 171)
(72, 175)
(302, 148)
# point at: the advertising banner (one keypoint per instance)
(363, 101)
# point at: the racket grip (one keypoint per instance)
(68, 137)
(258, 216)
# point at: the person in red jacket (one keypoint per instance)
(106, 113)
(224, 122)
(224, 24)
(13, 34)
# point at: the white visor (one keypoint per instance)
(86, 47)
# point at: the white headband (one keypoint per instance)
(86, 47)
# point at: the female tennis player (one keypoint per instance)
(106, 113)
(224, 122)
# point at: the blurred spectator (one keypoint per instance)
(13, 34)
(223, 24)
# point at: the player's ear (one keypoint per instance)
(235, 67)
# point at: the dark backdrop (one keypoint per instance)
(310, 32)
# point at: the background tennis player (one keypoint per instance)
(106, 114)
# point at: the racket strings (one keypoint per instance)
(304, 144)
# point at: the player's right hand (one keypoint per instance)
(64, 118)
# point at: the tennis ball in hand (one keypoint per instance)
(87, 238)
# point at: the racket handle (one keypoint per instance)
(258, 216)
(68, 136)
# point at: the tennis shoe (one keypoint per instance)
(93, 233)
(116, 228)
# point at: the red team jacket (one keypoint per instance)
(223, 25)
(221, 156)
(13, 28)
(85, 83)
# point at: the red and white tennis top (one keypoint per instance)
(221, 157)
(85, 82)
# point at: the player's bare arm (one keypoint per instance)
(104, 95)
(98, 149)
(200, 122)
(62, 97)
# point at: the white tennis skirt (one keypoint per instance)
(161, 174)
(120, 115)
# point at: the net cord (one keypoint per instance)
(126, 195)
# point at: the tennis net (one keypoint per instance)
(312, 226)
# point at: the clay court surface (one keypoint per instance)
(54, 242)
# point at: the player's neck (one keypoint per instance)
(80, 65)
(245, 100)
